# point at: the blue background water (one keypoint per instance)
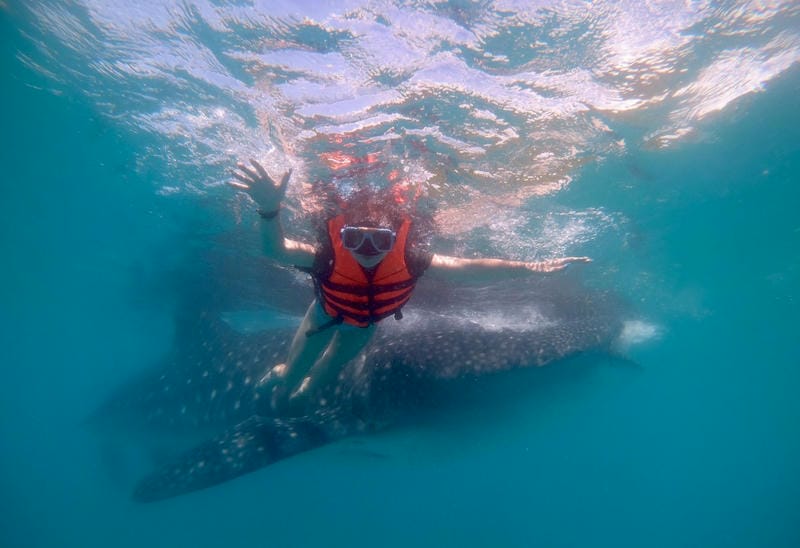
(698, 447)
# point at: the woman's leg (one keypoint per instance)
(347, 342)
(304, 352)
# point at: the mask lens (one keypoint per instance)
(352, 237)
(382, 240)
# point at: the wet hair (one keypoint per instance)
(368, 205)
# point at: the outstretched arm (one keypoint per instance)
(452, 267)
(268, 195)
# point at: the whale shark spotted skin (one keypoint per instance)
(205, 388)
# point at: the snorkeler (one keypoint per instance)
(364, 270)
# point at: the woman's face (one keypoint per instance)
(368, 261)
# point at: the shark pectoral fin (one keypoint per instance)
(248, 446)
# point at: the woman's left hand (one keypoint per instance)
(554, 265)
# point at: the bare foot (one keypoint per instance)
(275, 375)
(273, 387)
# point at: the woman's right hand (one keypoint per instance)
(265, 192)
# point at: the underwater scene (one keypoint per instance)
(590, 335)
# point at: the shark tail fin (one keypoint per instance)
(248, 446)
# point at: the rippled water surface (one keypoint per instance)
(659, 138)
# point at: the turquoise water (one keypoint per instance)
(696, 445)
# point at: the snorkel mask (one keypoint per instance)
(355, 238)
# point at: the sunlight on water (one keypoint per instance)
(488, 104)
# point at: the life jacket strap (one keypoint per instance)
(330, 323)
(376, 287)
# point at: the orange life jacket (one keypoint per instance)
(356, 296)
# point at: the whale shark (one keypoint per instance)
(204, 391)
